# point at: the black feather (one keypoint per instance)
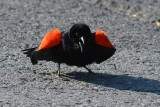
(28, 51)
(72, 50)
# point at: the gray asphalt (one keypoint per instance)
(133, 28)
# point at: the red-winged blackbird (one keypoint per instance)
(78, 46)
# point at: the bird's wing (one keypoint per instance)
(52, 38)
(102, 39)
(104, 47)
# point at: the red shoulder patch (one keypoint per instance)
(102, 39)
(52, 38)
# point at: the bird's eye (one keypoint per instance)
(76, 35)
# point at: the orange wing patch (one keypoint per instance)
(101, 39)
(52, 38)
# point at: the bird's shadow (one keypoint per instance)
(121, 82)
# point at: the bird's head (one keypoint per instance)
(78, 34)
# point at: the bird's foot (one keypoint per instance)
(90, 73)
(62, 77)
(58, 73)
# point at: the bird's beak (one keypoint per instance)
(82, 39)
(81, 43)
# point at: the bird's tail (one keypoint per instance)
(30, 52)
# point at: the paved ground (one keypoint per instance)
(132, 26)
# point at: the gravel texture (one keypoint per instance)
(133, 28)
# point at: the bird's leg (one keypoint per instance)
(59, 75)
(90, 72)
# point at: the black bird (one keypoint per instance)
(78, 46)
